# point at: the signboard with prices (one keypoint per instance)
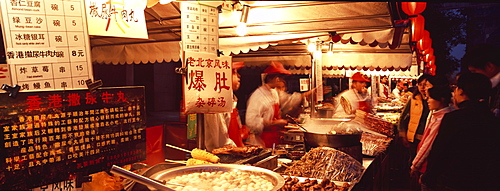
(200, 27)
(46, 42)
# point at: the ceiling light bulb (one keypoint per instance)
(241, 29)
(311, 47)
(329, 53)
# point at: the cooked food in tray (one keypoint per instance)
(245, 151)
(327, 163)
(300, 183)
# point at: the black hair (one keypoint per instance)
(439, 81)
(475, 86)
(442, 94)
(420, 79)
(271, 76)
(480, 54)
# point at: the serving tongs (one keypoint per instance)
(295, 122)
(160, 185)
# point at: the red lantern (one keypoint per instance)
(432, 69)
(413, 8)
(425, 42)
(428, 51)
(433, 61)
(417, 27)
(428, 57)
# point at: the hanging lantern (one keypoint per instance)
(425, 42)
(428, 57)
(413, 8)
(432, 61)
(417, 27)
(428, 51)
(432, 69)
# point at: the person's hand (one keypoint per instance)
(308, 93)
(404, 141)
(280, 122)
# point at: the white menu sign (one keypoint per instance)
(208, 88)
(120, 18)
(200, 27)
(46, 43)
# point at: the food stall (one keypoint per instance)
(351, 19)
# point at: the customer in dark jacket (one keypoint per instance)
(466, 152)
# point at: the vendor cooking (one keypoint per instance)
(263, 109)
(355, 98)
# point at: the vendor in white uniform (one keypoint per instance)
(263, 116)
(355, 98)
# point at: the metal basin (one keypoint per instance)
(276, 179)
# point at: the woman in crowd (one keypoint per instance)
(413, 119)
(439, 99)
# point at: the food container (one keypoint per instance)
(276, 179)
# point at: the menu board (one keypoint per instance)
(200, 27)
(46, 44)
(52, 136)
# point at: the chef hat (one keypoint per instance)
(238, 65)
(276, 67)
(359, 77)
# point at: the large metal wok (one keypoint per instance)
(276, 179)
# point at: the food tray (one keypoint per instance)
(339, 185)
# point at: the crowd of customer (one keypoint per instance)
(452, 132)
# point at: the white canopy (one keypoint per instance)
(269, 23)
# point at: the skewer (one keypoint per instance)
(175, 161)
(178, 148)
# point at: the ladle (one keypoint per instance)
(142, 179)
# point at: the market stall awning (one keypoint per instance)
(269, 23)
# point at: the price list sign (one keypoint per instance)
(200, 27)
(52, 136)
(46, 43)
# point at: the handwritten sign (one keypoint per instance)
(120, 18)
(208, 85)
(47, 45)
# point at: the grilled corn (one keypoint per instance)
(193, 161)
(204, 155)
